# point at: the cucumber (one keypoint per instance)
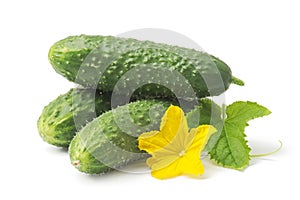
(110, 141)
(127, 65)
(68, 113)
(56, 124)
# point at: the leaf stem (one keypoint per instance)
(268, 154)
(223, 112)
(237, 81)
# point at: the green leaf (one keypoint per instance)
(231, 149)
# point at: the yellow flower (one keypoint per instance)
(175, 150)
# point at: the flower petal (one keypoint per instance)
(162, 158)
(150, 141)
(191, 164)
(187, 165)
(172, 125)
(167, 172)
(199, 137)
(173, 122)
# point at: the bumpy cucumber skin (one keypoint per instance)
(83, 59)
(56, 124)
(92, 144)
(63, 117)
(95, 138)
(66, 55)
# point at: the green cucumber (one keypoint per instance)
(56, 124)
(110, 141)
(126, 65)
(68, 113)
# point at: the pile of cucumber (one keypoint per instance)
(124, 87)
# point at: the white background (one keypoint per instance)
(258, 39)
